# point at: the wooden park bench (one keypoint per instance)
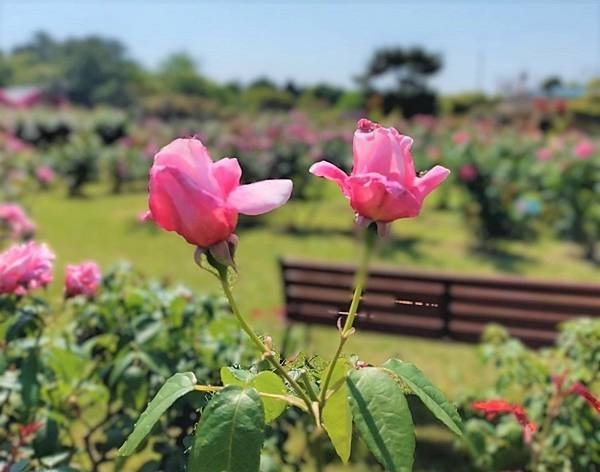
(435, 304)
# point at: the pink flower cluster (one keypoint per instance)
(25, 267)
(82, 279)
(14, 218)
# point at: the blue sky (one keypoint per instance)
(483, 43)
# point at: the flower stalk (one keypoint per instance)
(347, 330)
(267, 353)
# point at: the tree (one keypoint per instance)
(179, 75)
(97, 70)
(409, 69)
(550, 84)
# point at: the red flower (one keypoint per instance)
(579, 389)
(28, 430)
(492, 408)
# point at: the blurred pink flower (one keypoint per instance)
(583, 149)
(14, 144)
(200, 199)
(150, 149)
(468, 172)
(433, 152)
(25, 267)
(126, 142)
(383, 185)
(82, 279)
(543, 154)
(13, 217)
(460, 137)
(44, 174)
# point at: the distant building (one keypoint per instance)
(30, 95)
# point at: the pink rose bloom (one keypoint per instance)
(583, 149)
(25, 267)
(200, 199)
(543, 154)
(16, 220)
(44, 175)
(82, 279)
(461, 137)
(383, 185)
(14, 144)
(468, 172)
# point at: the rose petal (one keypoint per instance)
(330, 172)
(189, 156)
(227, 172)
(432, 179)
(260, 197)
(178, 204)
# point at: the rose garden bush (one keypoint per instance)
(71, 392)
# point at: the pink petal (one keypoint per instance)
(178, 204)
(189, 156)
(330, 172)
(227, 172)
(433, 178)
(372, 151)
(260, 197)
(402, 161)
(379, 199)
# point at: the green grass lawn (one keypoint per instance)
(104, 227)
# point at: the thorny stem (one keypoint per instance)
(347, 330)
(266, 351)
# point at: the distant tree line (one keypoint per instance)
(93, 71)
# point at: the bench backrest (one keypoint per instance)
(436, 305)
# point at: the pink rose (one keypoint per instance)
(200, 199)
(25, 267)
(44, 175)
(461, 137)
(383, 185)
(583, 149)
(82, 279)
(14, 218)
(468, 172)
(544, 154)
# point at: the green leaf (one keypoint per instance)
(230, 433)
(233, 376)
(380, 412)
(429, 394)
(266, 381)
(336, 416)
(175, 387)
(269, 382)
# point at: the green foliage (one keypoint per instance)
(428, 393)
(230, 435)
(174, 388)
(337, 417)
(264, 382)
(567, 426)
(89, 379)
(381, 415)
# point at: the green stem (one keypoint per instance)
(266, 351)
(359, 284)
